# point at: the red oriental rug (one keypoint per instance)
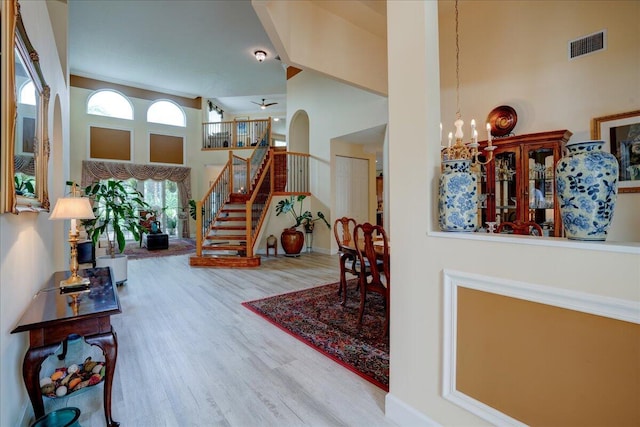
(133, 250)
(315, 317)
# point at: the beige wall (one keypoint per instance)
(419, 261)
(334, 109)
(517, 55)
(30, 244)
(347, 39)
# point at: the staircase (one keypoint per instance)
(226, 243)
(229, 217)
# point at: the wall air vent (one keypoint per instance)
(588, 44)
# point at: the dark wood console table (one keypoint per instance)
(52, 316)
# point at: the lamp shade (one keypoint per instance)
(72, 208)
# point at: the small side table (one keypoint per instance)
(52, 316)
(155, 241)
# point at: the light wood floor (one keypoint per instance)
(190, 355)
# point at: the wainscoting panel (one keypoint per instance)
(516, 354)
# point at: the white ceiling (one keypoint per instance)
(189, 48)
(194, 48)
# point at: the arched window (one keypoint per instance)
(28, 94)
(111, 104)
(166, 113)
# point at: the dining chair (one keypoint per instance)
(377, 257)
(529, 228)
(343, 232)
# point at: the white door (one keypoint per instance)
(352, 188)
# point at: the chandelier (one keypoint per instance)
(461, 150)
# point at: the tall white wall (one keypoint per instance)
(29, 242)
(334, 109)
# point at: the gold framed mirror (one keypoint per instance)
(25, 151)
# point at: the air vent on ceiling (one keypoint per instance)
(588, 44)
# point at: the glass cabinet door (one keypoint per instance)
(505, 196)
(540, 189)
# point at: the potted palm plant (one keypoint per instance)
(292, 239)
(116, 205)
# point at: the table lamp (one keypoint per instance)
(73, 208)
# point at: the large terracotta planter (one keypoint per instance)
(292, 241)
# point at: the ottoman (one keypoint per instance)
(156, 241)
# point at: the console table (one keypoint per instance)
(53, 315)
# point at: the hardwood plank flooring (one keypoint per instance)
(190, 355)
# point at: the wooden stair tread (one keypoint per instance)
(224, 247)
(227, 237)
(225, 261)
(232, 218)
(229, 227)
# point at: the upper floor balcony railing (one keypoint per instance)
(236, 134)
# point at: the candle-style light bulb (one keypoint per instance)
(473, 125)
(450, 138)
(489, 134)
(475, 136)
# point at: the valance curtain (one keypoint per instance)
(94, 171)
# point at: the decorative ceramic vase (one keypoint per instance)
(292, 241)
(458, 202)
(587, 188)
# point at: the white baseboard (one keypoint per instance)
(404, 415)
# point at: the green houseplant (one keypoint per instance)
(292, 239)
(172, 222)
(116, 206)
(24, 184)
(305, 218)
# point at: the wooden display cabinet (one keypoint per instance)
(519, 183)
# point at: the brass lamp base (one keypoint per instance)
(75, 282)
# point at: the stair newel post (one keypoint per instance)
(199, 228)
(231, 187)
(234, 133)
(249, 228)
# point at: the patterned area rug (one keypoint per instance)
(176, 247)
(316, 317)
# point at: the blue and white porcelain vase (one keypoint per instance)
(587, 188)
(458, 201)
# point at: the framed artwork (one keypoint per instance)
(621, 133)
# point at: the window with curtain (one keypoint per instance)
(162, 196)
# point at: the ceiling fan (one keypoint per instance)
(263, 105)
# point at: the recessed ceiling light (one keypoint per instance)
(261, 55)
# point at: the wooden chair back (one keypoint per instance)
(377, 259)
(343, 231)
(528, 228)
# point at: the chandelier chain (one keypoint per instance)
(458, 115)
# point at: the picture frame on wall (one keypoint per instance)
(621, 133)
